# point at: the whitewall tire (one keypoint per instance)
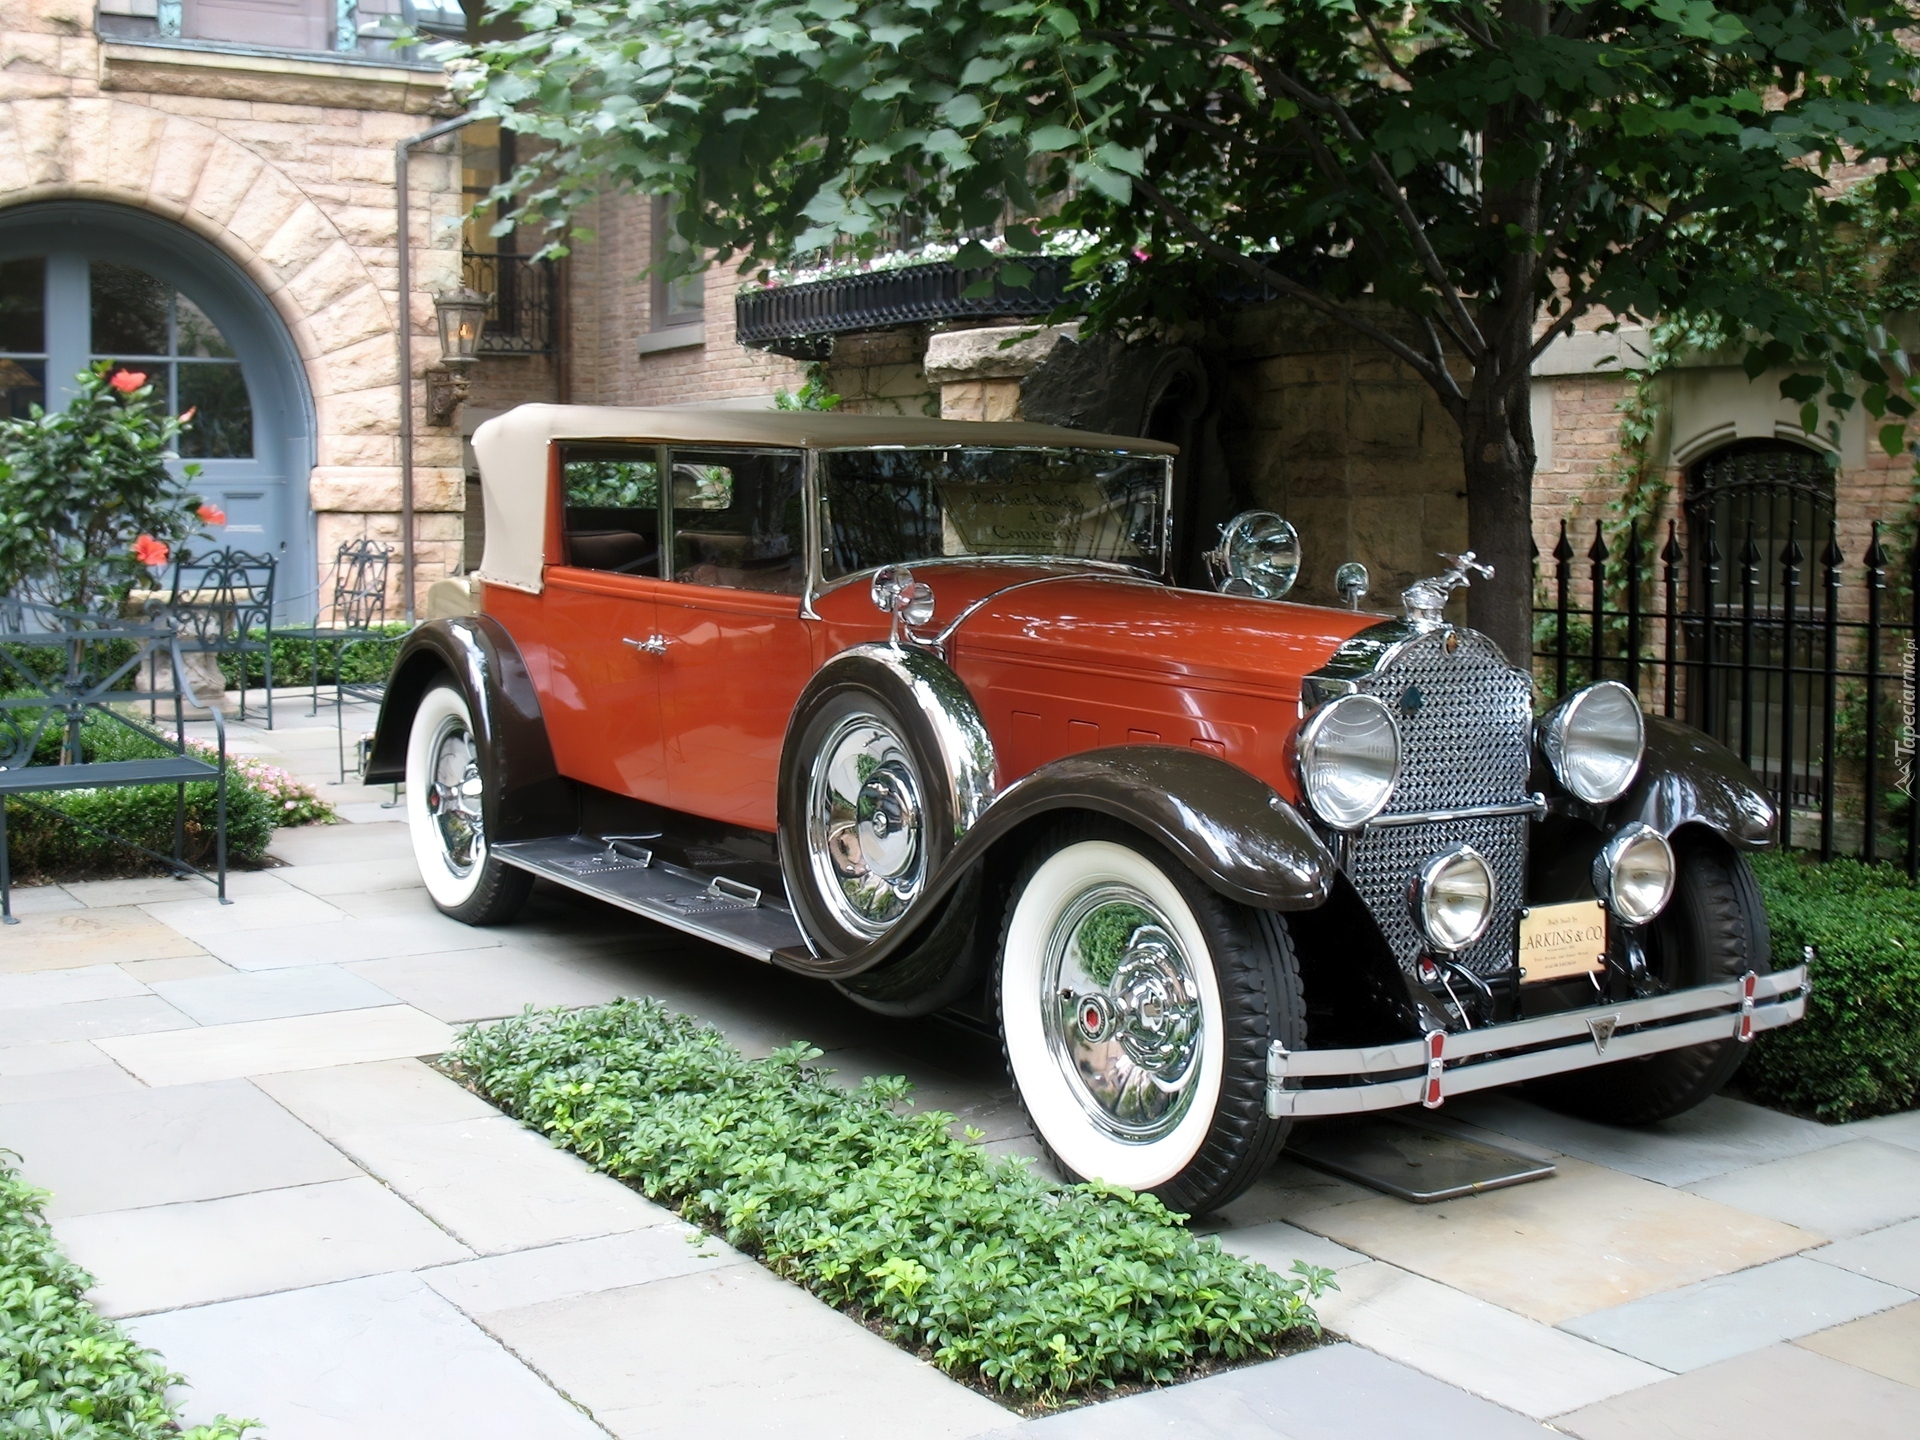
(447, 814)
(1136, 1007)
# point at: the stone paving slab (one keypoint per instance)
(153, 1147)
(485, 984)
(346, 1098)
(1718, 1136)
(90, 1020)
(1585, 1240)
(166, 1256)
(1338, 1393)
(314, 845)
(206, 919)
(41, 899)
(497, 1185)
(63, 1070)
(271, 994)
(1840, 1191)
(1894, 1129)
(1277, 1245)
(1784, 1392)
(736, 1352)
(67, 987)
(345, 940)
(162, 889)
(1289, 1189)
(1503, 1357)
(265, 1047)
(69, 939)
(177, 967)
(1887, 1344)
(580, 1267)
(1892, 1255)
(376, 1359)
(1717, 1319)
(356, 877)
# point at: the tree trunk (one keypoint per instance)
(1497, 446)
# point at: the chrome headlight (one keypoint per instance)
(1633, 873)
(1349, 755)
(1452, 898)
(1594, 742)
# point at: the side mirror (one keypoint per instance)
(1350, 584)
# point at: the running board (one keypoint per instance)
(624, 873)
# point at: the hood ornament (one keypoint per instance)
(1426, 600)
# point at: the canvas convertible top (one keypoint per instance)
(512, 450)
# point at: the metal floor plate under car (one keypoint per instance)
(715, 909)
(1410, 1161)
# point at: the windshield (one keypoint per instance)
(891, 507)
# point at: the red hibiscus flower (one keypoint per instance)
(151, 551)
(127, 381)
(212, 514)
(191, 411)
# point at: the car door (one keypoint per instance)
(603, 642)
(737, 650)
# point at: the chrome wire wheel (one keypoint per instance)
(1121, 1007)
(866, 824)
(454, 797)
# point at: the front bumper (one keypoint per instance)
(1428, 1070)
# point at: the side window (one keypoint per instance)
(738, 521)
(612, 507)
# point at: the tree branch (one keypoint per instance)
(1436, 376)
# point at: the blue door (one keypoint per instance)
(76, 288)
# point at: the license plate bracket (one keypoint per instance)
(1562, 942)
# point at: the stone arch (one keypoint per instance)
(185, 170)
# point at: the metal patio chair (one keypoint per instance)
(218, 601)
(358, 611)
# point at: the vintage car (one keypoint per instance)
(913, 706)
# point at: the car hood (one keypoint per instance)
(1119, 624)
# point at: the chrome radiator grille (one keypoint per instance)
(1466, 722)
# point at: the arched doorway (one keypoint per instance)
(82, 281)
(1759, 513)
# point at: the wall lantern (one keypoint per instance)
(460, 315)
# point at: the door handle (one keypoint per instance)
(652, 645)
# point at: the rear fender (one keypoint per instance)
(528, 797)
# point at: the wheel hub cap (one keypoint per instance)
(454, 799)
(1123, 1013)
(865, 825)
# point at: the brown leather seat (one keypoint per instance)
(621, 550)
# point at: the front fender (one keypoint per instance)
(1229, 828)
(1689, 778)
(528, 796)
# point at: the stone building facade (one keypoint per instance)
(241, 199)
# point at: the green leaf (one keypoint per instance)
(1053, 137)
(1893, 439)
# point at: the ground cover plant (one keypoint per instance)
(1003, 1279)
(64, 1371)
(54, 836)
(1857, 1053)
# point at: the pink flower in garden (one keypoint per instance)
(127, 381)
(212, 514)
(151, 551)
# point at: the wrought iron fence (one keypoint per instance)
(520, 295)
(1802, 664)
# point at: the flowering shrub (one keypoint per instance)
(291, 800)
(88, 505)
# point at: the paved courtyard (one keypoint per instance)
(244, 1144)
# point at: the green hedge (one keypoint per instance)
(365, 663)
(43, 846)
(996, 1275)
(64, 1371)
(1858, 1051)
